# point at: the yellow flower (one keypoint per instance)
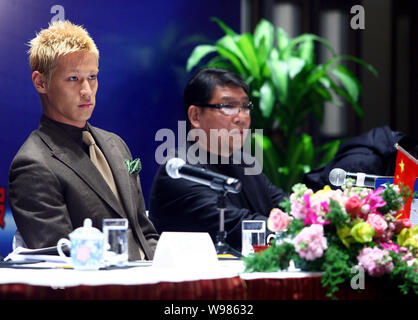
(408, 237)
(362, 232)
(323, 192)
(345, 236)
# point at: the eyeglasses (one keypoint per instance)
(231, 109)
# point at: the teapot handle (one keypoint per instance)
(60, 243)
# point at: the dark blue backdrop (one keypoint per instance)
(143, 48)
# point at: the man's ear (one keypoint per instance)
(194, 114)
(39, 82)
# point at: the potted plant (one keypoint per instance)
(286, 87)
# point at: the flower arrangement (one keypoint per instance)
(334, 231)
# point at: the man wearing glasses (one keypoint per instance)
(217, 104)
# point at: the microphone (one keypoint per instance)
(177, 168)
(338, 176)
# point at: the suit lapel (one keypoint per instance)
(116, 159)
(68, 152)
(116, 162)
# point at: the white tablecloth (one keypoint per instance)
(60, 278)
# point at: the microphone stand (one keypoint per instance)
(221, 246)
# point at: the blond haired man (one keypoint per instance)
(54, 180)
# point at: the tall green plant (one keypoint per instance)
(286, 87)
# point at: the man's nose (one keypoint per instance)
(85, 91)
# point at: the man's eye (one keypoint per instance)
(74, 78)
(93, 77)
(227, 106)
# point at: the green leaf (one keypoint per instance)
(224, 27)
(246, 45)
(231, 57)
(264, 33)
(228, 43)
(325, 82)
(197, 55)
(330, 149)
(266, 99)
(303, 151)
(220, 62)
(348, 80)
(308, 149)
(325, 94)
(361, 62)
(266, 72)
(282, 39)
(303, 38)
(300, 153)
(262, 56)
(274, 54)
(249, 80)
(295, 66)
(336, 270)
(316, 74)
(279, 75)
(338, 59)
(255, 93)
(275, 257)
(347, 96)
(306, 51)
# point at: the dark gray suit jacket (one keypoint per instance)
(54, 186)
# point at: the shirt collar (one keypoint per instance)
(74, 132)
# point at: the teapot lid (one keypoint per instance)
(87, 231)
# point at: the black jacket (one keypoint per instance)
(373, 152)
(182, 205)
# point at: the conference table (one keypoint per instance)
(226, 281)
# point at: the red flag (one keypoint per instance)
(406, 173)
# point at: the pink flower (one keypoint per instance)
(310, 243)
(310, 214)
(278, 220)
(353, 206)
(297, 207)
(375, 200)
(388, 234)
(311, 209)
(377, 222)
(390, 246)
(407, 255)
(324, 206)
(375, 261)
(297, 204)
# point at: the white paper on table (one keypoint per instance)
(16, 255)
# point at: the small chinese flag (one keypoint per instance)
(406, 173)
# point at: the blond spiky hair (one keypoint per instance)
(62, 37)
